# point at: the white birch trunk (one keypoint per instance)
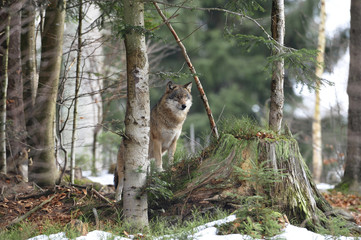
(4, 85)
(136, 142)
(316, 124)
(277, 94)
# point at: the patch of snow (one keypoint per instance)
(324, 186)
(104, 177)
(207, 231)
(298, 233)
(100, 235)
(56, 236)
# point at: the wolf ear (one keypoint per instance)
(170, 86)
(188, 86)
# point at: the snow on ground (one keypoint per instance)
(104, 177)
(325, 186)
(206, 232)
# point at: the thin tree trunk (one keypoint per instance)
(316, 124)
(94, 149)
(16, 129)
(44, 169)
(28, 60)
(136, 142)
(277, 95)
(352, 174)
(77, 87)
(193, 71)
(28, 52)
(4, 51)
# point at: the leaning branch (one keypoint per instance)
(193, 71)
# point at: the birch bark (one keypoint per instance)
(316, 124)
(136, 142)
(4, 52)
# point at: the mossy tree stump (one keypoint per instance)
(238, 168)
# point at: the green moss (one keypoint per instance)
(343, 186)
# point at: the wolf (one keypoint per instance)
(166, 122)
(18, 164)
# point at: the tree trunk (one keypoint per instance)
(352, 176)
(44, 169)
(277, 95)
(94, 149)
(4, 50)
(316, 124)
(16, 129)
(77, 87)
(137, 117)
(28, 51)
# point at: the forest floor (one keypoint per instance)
(66, 203)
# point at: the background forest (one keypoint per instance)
(234, 70)
(75, 78)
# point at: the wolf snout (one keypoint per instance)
(183, 106)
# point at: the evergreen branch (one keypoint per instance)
(225, 11)
(297, 61)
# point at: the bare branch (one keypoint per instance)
(193, 71)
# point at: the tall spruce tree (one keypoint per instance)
(352, 175)
(278, 70)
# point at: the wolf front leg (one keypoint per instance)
(171, 151)
(119, 174)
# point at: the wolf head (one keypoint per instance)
(178, 97)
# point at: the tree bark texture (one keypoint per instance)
(352, 173)
(316, 124)
(16, 129)
(4, 50)
(136, 141)
(44, 169)
(277, 94)
(28, 51)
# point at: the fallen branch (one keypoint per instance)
(193, 71)
(47, 192)
(95, 192)
(23, 217)
(101, 196)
